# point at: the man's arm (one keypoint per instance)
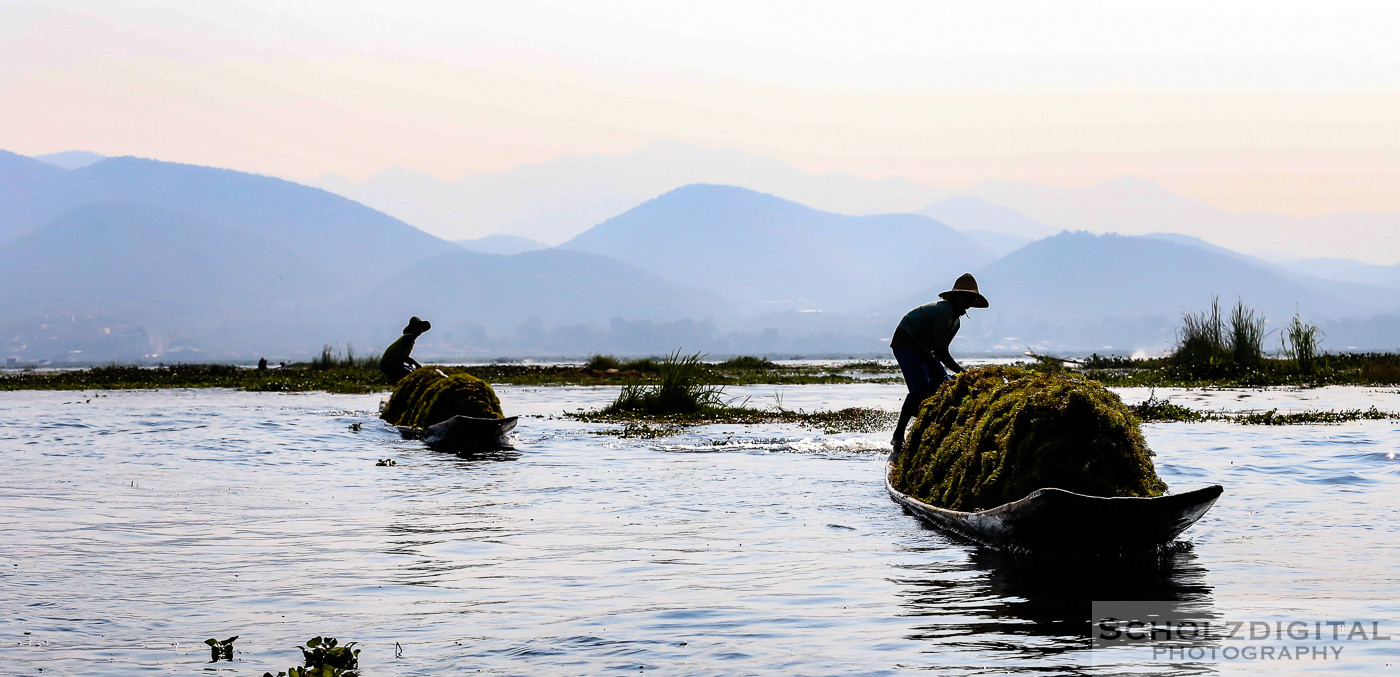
(413, 362)
(941, 354)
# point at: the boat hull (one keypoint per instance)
(1059, 520)
(466, 434)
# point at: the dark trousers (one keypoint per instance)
(394, 372)
(922, 375)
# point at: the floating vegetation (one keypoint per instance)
(851, 419)
(1272, 417)
(385, 463)
(220, 650)
(995, 434)
(431, 395)
(324, 658)
(1155, 410)
(682, 390)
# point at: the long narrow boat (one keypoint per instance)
(1055, 520)
(466, 434)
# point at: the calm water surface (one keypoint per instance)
(138, 524)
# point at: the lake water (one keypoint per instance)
(138, 524)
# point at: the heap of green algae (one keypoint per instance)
(995, 434)
(431, 395)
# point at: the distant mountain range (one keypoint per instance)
(71, 159)
(502, 244)
(1058, 291)
(124, 258)
(322, 227)
(556, 200)
(127, 258)
(764, 253)
(1132, 206)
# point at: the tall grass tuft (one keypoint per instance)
(1300, 342)
(1246, 336)
(1201, 340)
(681, 390)
(330, 359)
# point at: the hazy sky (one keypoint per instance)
(1275, 105)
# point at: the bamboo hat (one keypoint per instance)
(966, 287)
(417, 326)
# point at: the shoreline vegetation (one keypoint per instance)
(662, 396)
(349, 374)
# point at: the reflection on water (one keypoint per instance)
(1031, 612)
(141, 523)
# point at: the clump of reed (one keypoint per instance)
(682, 389)
(1300, 342)
(747, 363)
(1210, 339)
(608, 363)
(331, 358)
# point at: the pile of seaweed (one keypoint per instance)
(431, 395)
(995, 434)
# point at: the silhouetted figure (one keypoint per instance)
(262, 364)
(396, 362)
(920, 345)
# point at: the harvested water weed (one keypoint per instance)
(995, 434)
(434, 394)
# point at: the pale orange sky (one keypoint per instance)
(1250, 106)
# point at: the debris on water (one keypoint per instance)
(385, 463)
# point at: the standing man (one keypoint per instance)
(396, 362)
(920, 345)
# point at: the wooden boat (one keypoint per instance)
(465, 434)
(1055, 520)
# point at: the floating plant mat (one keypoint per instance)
(431, 395)
(995, 434)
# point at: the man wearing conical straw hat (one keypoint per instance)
(920, 345)
(397, 361)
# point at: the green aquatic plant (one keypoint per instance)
(683, 390)
(1300, 341)
(1272, 417)
(434, 394)
(220, 650)
(747, 363)
(1162, 409)
(1201, 339)
(322, 657)
(1246, 336)
(994, 434)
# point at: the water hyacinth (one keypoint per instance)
(995, 434)
(434, 394)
